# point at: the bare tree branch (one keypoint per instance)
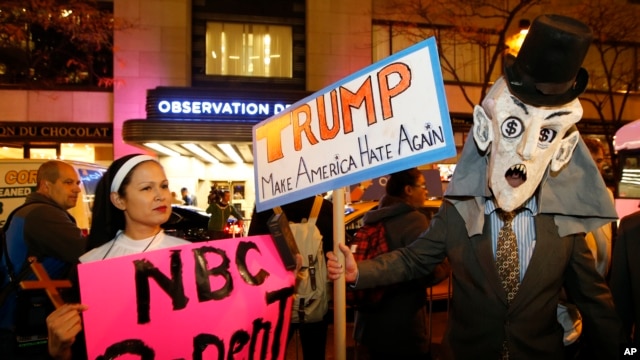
(54, 41)
(462, 23)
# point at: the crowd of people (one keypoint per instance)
(525, 231)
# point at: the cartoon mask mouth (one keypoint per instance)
(516, 175)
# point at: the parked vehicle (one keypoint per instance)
(627, 146)
(187, 222)
(191, 223)
(233, 228)
(354, 213)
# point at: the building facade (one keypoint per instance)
(193, 77)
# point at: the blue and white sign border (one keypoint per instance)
(422, 105)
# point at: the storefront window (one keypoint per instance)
(248, 50)
(238, 190)
(90, 153)
(467, 58)
(43, 153)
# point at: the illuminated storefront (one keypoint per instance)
(88, 142)
(204, 136)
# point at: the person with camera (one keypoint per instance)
(220, 211)
(43, 228)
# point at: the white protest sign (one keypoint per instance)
(385, 118)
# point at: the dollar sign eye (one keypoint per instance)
(547, 135)
(512, 127)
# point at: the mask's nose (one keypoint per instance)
(529, 144)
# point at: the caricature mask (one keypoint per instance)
(523, 142)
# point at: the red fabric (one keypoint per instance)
(368, 242)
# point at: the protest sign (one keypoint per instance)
(387, 117)
(211, 300)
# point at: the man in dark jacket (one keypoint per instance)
(625, 275)
(397, 326)
(521, 180)
(42, 228)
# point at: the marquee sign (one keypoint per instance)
(193, 104)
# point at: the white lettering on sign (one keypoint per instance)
(219, 108)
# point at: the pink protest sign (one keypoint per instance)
(210, 300)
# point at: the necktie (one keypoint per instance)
(508, 263)
(507, 260)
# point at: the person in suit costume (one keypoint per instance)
(524, 156)
(625, 275)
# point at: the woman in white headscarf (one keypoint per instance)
(132, 201)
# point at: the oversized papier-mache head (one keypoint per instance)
(525, 140)
(524, 120)
(522, 142)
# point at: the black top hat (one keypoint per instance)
(547, 70)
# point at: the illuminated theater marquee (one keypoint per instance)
(220, 108)
(217, 105)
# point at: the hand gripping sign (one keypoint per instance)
(387, 117)
(209, 300)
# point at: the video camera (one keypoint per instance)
(215, 195)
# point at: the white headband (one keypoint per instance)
(126, 167)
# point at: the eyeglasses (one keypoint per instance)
(423, 186)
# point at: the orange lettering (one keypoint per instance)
(387, 93)
(355, 100)
(304, 111)
(272, 132)
(325, 132)
(20, 177)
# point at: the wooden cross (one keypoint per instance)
(45, 282)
